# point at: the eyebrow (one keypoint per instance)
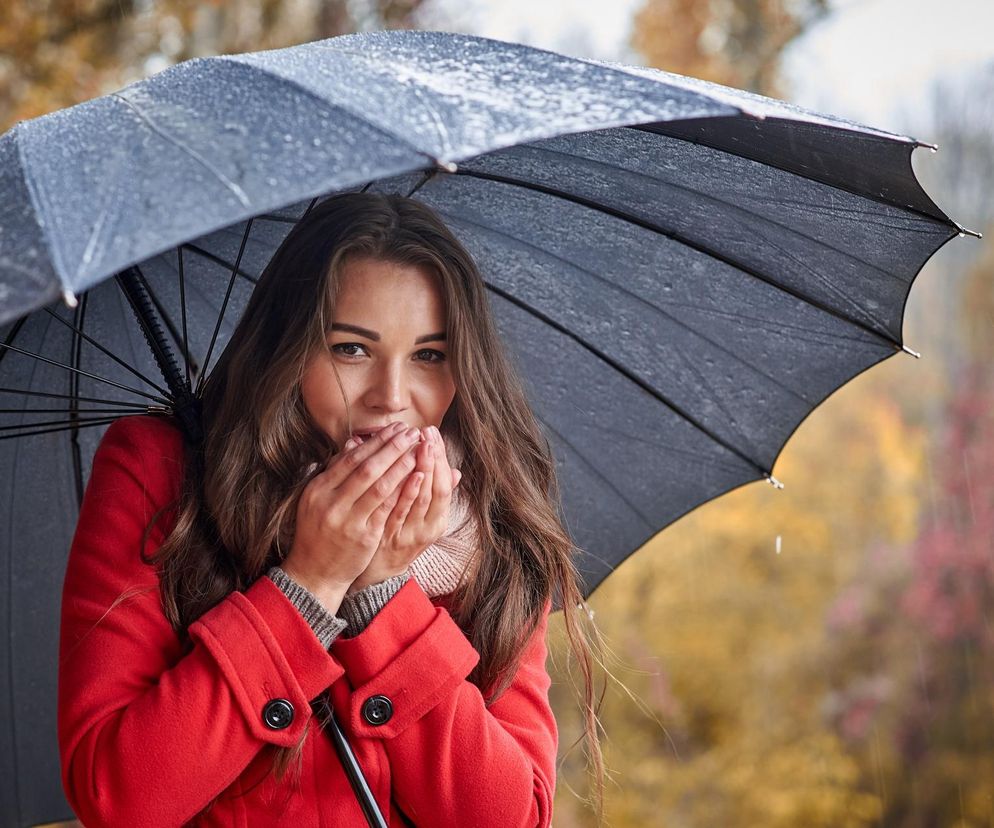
(344, 326)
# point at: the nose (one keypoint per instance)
(389, 390)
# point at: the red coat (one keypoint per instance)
(148, 738)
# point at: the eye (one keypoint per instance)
(343, 346)
(433, 355)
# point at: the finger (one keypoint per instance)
(383, 517)
(359, 468)
(389, 482)
(441, 482)
(408, 494)
(426, 465)
(359, 449)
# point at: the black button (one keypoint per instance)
(277, 714)
(377, 710)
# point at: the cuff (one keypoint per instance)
(359, 608)
(413, 653)
(326, 625)
(267, 652)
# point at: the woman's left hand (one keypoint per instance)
(420, 516)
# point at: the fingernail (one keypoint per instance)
(350, 444)
(435, 436)
(411, 433)
(458, 475)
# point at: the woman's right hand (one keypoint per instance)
(342, 512)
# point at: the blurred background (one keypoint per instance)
(821, 655)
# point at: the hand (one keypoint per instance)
(342, 511)
(420, 516)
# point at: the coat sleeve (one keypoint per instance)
(453, 760)
(148, 736)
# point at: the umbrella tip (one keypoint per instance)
(69, 298)
(928, 146)
(907, 350)
(447, 166)
(963, 231)
(773, 481)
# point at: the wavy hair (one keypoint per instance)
(237, 505)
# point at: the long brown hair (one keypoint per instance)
(236, 512)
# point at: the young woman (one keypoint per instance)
(369, 524)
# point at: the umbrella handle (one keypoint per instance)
(367, 801)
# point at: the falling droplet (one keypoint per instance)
(778, 544)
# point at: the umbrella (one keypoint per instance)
(681, 271)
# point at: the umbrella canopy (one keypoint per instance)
(681, 271)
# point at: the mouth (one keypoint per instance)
(366, 433)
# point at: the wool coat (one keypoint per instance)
(149, 736)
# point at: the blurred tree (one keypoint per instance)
(913, 640)
(734, 42)
(55, 53)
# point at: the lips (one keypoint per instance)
(366, 433)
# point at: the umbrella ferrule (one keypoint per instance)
(907, 350)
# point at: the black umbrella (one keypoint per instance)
(681, 271)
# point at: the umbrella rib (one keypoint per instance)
(79, 424)
(66, 423)
(621, 369)
(678, 237)
(224, 306)
(182, 307)
(137, 391)
(79, 318)
(290, 219)
(62, 411)
(122, 403)
(230, 185)
(309, 208)
(218, 260)
(79, 333)
(12, 334)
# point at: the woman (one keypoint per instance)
(320, 548)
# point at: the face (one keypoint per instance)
(387, 341)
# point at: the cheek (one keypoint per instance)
(320, 391)
(445, 394)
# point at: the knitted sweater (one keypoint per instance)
(439, 570)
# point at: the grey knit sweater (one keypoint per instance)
(355, 613)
